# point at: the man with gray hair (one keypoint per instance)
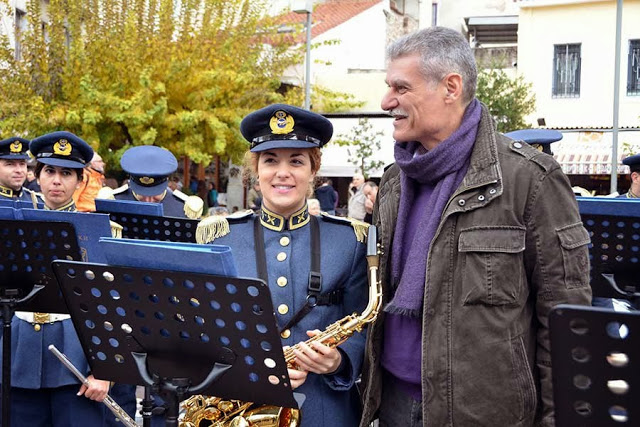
(481, 238)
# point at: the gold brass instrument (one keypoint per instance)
(120, 413)
(201, 411)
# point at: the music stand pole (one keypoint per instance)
(25, 272)
(8, 305)
(147, 407)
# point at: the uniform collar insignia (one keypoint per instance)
(271, 220)
(6, 191)
(276, 222)
(69, 207)
(300, 218)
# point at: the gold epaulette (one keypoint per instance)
(359, 227)
(116, 230)
(106, 193)
(215, 226)
(193, 207)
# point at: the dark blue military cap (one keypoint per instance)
(14, 148)
(285, 126)
(537, 138)
(633, 162)
(149, 168)
(62, 149)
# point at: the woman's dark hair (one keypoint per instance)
(40, 166)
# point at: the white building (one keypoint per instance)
(566, 49)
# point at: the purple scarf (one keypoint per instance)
(442, 168)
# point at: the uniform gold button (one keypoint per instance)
(283, 309)
(286, 333)
(282, 281)
(281, 256)
(36, 327)
(284, 241)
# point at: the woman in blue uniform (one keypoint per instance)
(44, 392)
(278, 245)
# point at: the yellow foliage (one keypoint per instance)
(179, 74)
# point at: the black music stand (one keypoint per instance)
(614, 227)
(150, 227)
(182, 333)
(595, 380)
(26, 252)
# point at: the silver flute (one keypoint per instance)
(111, 404)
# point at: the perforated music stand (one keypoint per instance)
(614, 227)
(169, 328)
(595, 377)
(26, 278)
(150, 227)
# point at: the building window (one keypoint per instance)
(633, 75)
(21, 25)
(566, 71)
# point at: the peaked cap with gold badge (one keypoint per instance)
(285, 126)
(62, 149)
(149, 168)
(539, 139)
(14, 148)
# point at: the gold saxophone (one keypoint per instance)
(201, 411)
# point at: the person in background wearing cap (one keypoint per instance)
(634, 176)
(540, 139)
(13, 169)
(149, 168)
(284, 157)
(43, 391)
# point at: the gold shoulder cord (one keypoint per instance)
(34, 200)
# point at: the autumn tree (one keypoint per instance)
(177, 74)
(362, 142)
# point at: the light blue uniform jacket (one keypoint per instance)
(331, 400)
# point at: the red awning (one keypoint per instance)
(589, 153)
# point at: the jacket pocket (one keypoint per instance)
(493, 271)
(575, 257)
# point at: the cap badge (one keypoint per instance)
(281, 123)
(537, 147)
(15, 147)
(146, 180)
(62, 148)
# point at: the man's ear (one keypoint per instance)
(453, 86)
